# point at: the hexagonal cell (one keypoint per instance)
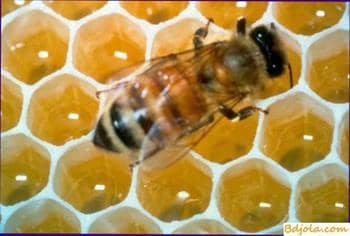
(308, 18)
(223, 144)
(328, 67)
(225, 14)
(11, 104)
(253, 196)
(183, 32)
(322, 195)
(203, 227)
(11, 5)
(24, 168)
(177, 192)
(34, 45)
(91, 179)
(343, 148)
(125, 220)
(282, 83)
(43, 216)
(75, 10)
(62, 109)
(297, 132)
(106, 44)
(154, 11)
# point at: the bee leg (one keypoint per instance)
(200, 35)
(241, 26)
(241, 114)
(113, 87)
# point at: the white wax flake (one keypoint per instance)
(308, 137)
(183, 195)
(19, 2)
(241, 4)
(100, 187)
(43, 54)
(21, 178)
(264, 205)
(320, 13)
(121, 55)
(73, 116)
(339, 205)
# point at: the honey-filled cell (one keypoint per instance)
(43, 216)
(125, 220)
(309, 17)
(328, 67)
(34, 45)
(24, 168)
(226, 14)
(62, 109)
(91, 179)
(252, 196)
(343, 148)
(107, 44)
(322, 195)
(154, 11)
(8, 6)
(75, 10)
(11, 104)
(297, 132)
(204, 226)
(177, 192)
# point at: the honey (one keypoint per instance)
(75, 10)
(25, 168)
(251, 198)
(107, 44)
(328, 73)
(203, 227)
(8, 6)
(125, 220)
(177, 192)
(344, 140)
(295, 140)
(43, 216)
(62, 109)
(11, 104)
(228, 140)
(29, 46)
(323, 197)
(91, 179)
(308, 18)
(154, 11)
(225, 14)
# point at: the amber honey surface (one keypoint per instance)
(251, 198)
(24, 168)
(91, 179)
(30, 43)
(177, 192)
(11, 104)
(101, 37)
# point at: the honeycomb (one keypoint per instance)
(57, 54)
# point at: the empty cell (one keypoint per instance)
(91, 179)
(75, 10)
(253, 196)
(154, 11)
(62, 109)
(328, 67)
(204, 226)
(125, 220)
(297, 132)
(107, 44)
(11, 104)
(8, 6)
(225, 14)
(34, 45)
(176, 192)
(24, 168)
(322, 195)
(43, 216)
(308, 18)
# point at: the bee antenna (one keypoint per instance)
(290, 75)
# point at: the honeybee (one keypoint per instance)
(160, 113)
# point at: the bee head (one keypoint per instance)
(269, 45)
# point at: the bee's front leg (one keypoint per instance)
(200, 35)
(241, 114)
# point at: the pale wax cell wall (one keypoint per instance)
(288, 166)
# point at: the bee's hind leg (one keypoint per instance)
(200, 35)
(241, 26)
(241, 114)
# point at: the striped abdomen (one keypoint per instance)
(159, 105)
